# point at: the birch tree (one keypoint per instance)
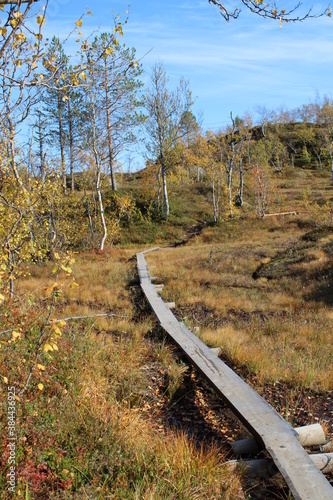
(325, 119)
(164, 125)
(215, 172)
(93, 140)
(41, 132)
(244, 134)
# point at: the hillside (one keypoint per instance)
(118, 414)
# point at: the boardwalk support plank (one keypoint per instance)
(308, 435)
(305, 481)
(264, 467)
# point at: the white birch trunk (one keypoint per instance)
(165, 195)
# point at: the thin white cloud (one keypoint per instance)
(234, 64)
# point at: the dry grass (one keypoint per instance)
(280, 328)
(87, 429)
(85, 435)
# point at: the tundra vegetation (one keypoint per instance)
(88, 364)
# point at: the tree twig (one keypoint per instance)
(92, 316)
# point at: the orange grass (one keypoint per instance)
(271, 326)
(87, 428)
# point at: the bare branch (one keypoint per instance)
(101, 315)
(16, 2)
(270, 10)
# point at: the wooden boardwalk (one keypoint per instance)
(304, 479)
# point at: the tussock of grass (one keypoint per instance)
(87, 431)
(84, 434)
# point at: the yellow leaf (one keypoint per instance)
(119, 29)
(2, 298)
(2, 8)
(79, 23)
(89, 13)
(40, 387)
(56, 256)
(3, 31)
(40, 20)
(34, 65)
(48, 347)
(5, 379)
(56, 329)
(67, 269)
(51, 288)
(16, 335)
(65, 98)
(62, 323)
(55, 347)
(13, 23)
(41, 367)
(83, 76)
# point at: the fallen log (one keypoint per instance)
(324, 462)
(280, 213)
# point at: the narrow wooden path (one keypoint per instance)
(305, 481)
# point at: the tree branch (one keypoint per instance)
(16, 2)
(102, 315)
(270, 10)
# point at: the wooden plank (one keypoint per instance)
(280, 440)
(216, 350)
(151, 250)
(324, 462)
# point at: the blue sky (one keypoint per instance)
(233, 66)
